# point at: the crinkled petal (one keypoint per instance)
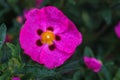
(28, 42)
(52, 59)
(35, 14)
(56, 19)
(35, 20)
(69, 39)
(52, 16)
(58, 27)
(93, 63)
(33, 27)
(117, 30)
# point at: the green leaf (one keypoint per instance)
(45, 2)
(12, 2)
(3, 11)
(14, 5)
(69, 67)
(39, 72)
(3, 30)
(3, 3)
(117, 76)
(72, 2)
(89, 75)
(106, 73)
(107, 15)
(13, 64)
(5, 54)
(100, 76)
(87, 19)
(5, 76)
(12, 47)
(93, 2)
(88, 52)
(76, 76)
(15, 50)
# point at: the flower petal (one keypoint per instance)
(117, 30)
(56, 19)
(33, 27)
(51, 16)
(93, 63)
(69, 39)
(28, 42)
(52, 59)
(35, 15)
(58, 27)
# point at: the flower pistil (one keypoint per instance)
(47, 37)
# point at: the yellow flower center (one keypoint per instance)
(47, 37)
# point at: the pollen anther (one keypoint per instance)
(47, 37)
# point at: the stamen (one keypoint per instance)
(47, 37)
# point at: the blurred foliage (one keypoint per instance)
(96, 20)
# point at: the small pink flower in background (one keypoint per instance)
(117, 30)
(49, 37)
(19, 19)
(15, 78)
(93, 63)
(8, 38)
(38, 2)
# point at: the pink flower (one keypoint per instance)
(93, 63)
(38, 2)
(49, 37)
(117, 30)
(15, 78)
